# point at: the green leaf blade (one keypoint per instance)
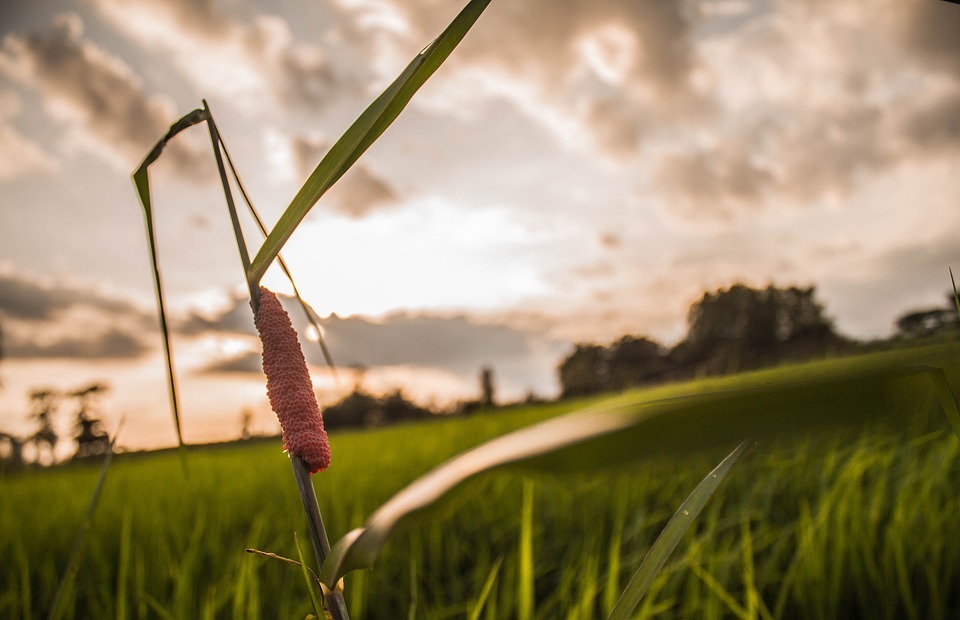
(617, 433)
(369, 126)
(671, 535)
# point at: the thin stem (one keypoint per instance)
(231, 207)
(283, 264)
(318, 535)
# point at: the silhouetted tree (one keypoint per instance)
(487, 398)
(43, 406)
(742, 327)
(246, 416)
(929, 321)
(11, 451)
(585, 371)
(396, 408)
(91, 438)
(633, 360)
(356, 409)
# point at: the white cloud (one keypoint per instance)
(256, 64)
(93, 92)
(19, 155)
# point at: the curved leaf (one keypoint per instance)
(364, 132)
(617, 433)
(670, 537)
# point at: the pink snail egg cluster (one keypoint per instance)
(288, 385)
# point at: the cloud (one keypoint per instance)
(718, 183)
(94, 92)
(19, 156)
(802, 116)
(934, 128)
(64, 320)
(360, 192)
(930, 30)
(216, 50)
(641, 42)
(456, 344)
(113, 343)
(27, 298)
(236, 318)
(250, 362)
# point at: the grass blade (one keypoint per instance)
(956, 296)
(525, 580)
(670, 536)
(364, 132)
(619, 432)
(947, 401)
(307, 311)
(71, 568)
(141, 180)
(228, 196)
(308, 581)
(477, 608)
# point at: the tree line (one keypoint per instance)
(732, 330)
(729, 330)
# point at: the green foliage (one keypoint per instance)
(364, 132)
(858, 523)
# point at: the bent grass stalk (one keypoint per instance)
(344, 153)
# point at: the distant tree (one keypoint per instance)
(246, 416)
(356, 409)
(929, 321)
(396, 408)
(744, 327)
(11, 451)
(585, 371)
(43, 406)
(487, 400)
(634, 360)
(1, 350)
(91, 438)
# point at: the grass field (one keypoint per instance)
(858, 523)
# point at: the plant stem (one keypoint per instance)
(336, 605)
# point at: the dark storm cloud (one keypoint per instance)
(360, 191)
(102, 94)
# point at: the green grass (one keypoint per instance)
(854, 524)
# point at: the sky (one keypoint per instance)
(576, 171)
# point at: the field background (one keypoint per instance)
(854, 523)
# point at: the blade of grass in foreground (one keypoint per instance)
(364, 131)
(307, 311)
(72, 562)
(141, 180)
(611, 435)
(308, 582)
(670, 537)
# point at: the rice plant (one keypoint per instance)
(612, 434)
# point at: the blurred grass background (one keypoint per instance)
(854, 523)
